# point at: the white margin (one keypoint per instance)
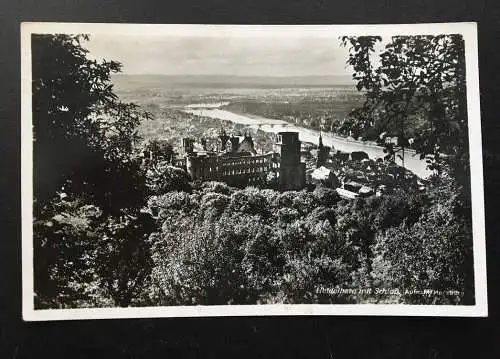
(469, 32)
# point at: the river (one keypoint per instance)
(412, 160)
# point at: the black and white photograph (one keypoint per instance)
(220, 170)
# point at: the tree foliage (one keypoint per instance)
(415, 90)
(158, 150)
(434, 251)
(217, 245)
(63, 266)
(123, 259)
(86, 258)
(162, 177)
(83, 135)
(90, 234)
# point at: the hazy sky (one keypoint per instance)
(251, 56)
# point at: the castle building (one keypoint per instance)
(239, 163)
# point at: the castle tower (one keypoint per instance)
(292, 173)
(193, 166)
(235, 143)
(223, 138)
(203, 142)
(187, 145)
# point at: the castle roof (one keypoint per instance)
(247, 145)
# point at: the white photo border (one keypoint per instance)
(469, 32)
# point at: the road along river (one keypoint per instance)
(412, 160)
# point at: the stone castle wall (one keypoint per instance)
(231, 168)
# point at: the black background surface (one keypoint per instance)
(327, 337)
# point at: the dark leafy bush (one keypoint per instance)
(163, 178)
(261, 246)
(433, 253)
(90, 243)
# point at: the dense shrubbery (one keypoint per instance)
(214, 244)
(434, 251)
(220, 245)
(161, 178)
(87, 258)
(244, 246)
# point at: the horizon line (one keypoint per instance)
(232, 75)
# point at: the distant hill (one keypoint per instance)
(234, 81)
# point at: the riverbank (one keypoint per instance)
(338, 137)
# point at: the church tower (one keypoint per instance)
(323, 152)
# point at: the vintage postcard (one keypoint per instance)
(221, 170)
